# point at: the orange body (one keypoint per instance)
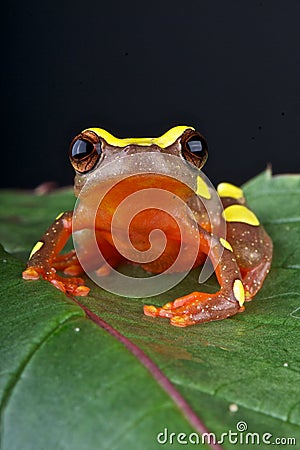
(181, 211)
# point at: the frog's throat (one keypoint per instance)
(163, 141)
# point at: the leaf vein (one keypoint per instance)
(17, 375)
(244, 405)
(282, 220)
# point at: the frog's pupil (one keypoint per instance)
(82, 148)
(195, 146)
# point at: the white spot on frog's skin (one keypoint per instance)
(36, 248)
(233, 407)
(77, 329)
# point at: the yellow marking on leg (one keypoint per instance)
(239, 292)
(229, 190)
(59, 215)
(226, 244)
(202, 189)
(240, 213)
(36, 248)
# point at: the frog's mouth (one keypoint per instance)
(162, 168)
(133, 194)
(121, 187)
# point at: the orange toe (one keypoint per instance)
(30, 274)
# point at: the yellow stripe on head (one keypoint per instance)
(229, 190)
(240, 213)
(162, 141)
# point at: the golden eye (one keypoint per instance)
(194, 148)
(85, 152)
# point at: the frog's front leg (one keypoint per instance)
(45, 259)
(203, 307)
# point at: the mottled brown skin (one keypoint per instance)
(253, 249)
(246, 263)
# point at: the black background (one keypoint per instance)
(228, 67)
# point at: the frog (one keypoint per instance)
(241, 258)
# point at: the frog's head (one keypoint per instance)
(94, 148)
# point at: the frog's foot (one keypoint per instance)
(73, 285)
(68, 264)
(104, 270)
(195, 308)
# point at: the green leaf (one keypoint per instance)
(68, 384)
(64, 389)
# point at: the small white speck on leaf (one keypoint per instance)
(233, 407)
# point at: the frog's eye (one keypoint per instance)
(85, 152)
(194, 148)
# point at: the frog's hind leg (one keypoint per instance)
(200, 307)
(100, 256)
(111, 258)
(251, 244)
(240, 269)
(69, 264)
(253, 251)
